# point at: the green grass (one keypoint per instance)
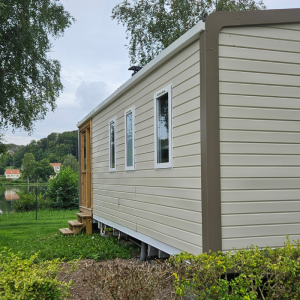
(21, 232)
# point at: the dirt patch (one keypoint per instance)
(89, 274)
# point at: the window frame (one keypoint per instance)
(113, 120)
(130, 110)
(158, 94)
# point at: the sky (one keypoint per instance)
(94, 63)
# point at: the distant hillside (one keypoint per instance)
(54, 147)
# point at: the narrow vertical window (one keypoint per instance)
(129, 139)
(112, 146)
(163, 128)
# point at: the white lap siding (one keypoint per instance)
(162, 204)
(260, 135)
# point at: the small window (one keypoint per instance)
(112, 146)
(129, 139)
(163, 128)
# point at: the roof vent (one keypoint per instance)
(204, 17)
(135, 69)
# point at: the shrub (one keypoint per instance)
(27, 202)
(23, 279)
(18, 181)
(259, 274)
(63, 190)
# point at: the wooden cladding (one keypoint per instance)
(85, 166)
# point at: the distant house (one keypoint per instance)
(12, 173)
(56, 166)
(11, 195)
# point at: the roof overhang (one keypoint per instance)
(186, 39)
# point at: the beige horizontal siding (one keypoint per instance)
(163, 204)
(259, 195)
(260, 134)
(262, 241)
(258, 160)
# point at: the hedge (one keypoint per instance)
(257, 274)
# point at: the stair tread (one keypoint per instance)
(75, 223)
(83, 215)
(65, 231)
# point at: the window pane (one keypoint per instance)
(129, 140)
(112, 145)
(84, 151)
(162, 129)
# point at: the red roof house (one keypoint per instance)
(56, 166)
(12, 173)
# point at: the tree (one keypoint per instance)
(53, 158)
(29, 79)
(44, 170)
(152, 25)
(63, 190)
(19, 154)
(2, 169)
(29, 167)
(71, 161)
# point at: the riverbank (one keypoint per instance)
(14, 183)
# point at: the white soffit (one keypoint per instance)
(186, 39)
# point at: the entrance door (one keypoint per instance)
(86, 204)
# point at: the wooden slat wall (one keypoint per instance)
(163, 204)
(260, 134)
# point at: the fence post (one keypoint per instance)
(36, 203)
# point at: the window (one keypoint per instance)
(129, 139)
(163, 128)
(112, 146)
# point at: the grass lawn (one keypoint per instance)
(21, 232)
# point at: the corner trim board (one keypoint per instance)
(209, 103)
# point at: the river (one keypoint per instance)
(8, 195)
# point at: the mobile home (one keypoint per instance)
(200, 150)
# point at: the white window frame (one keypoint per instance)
(114, 120)
(165, 90)
(130, 110)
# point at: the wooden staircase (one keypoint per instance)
(83, 221)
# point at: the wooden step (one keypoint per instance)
(83, 215)
(65, 231)
(75, 223)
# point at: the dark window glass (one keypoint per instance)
(112, 146)
(162, 125)
(129, 140)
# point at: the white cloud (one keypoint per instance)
(280, 4)
(90, 94)
(94, 64)
(17, 139)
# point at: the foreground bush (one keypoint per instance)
(120, 280)
(22, 279)
(260, 274)
(27, 202)
(63, 190)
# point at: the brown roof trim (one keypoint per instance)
(209, 103)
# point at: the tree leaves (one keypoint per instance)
(29, 79)
(152, 25)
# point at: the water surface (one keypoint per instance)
(8, 195)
